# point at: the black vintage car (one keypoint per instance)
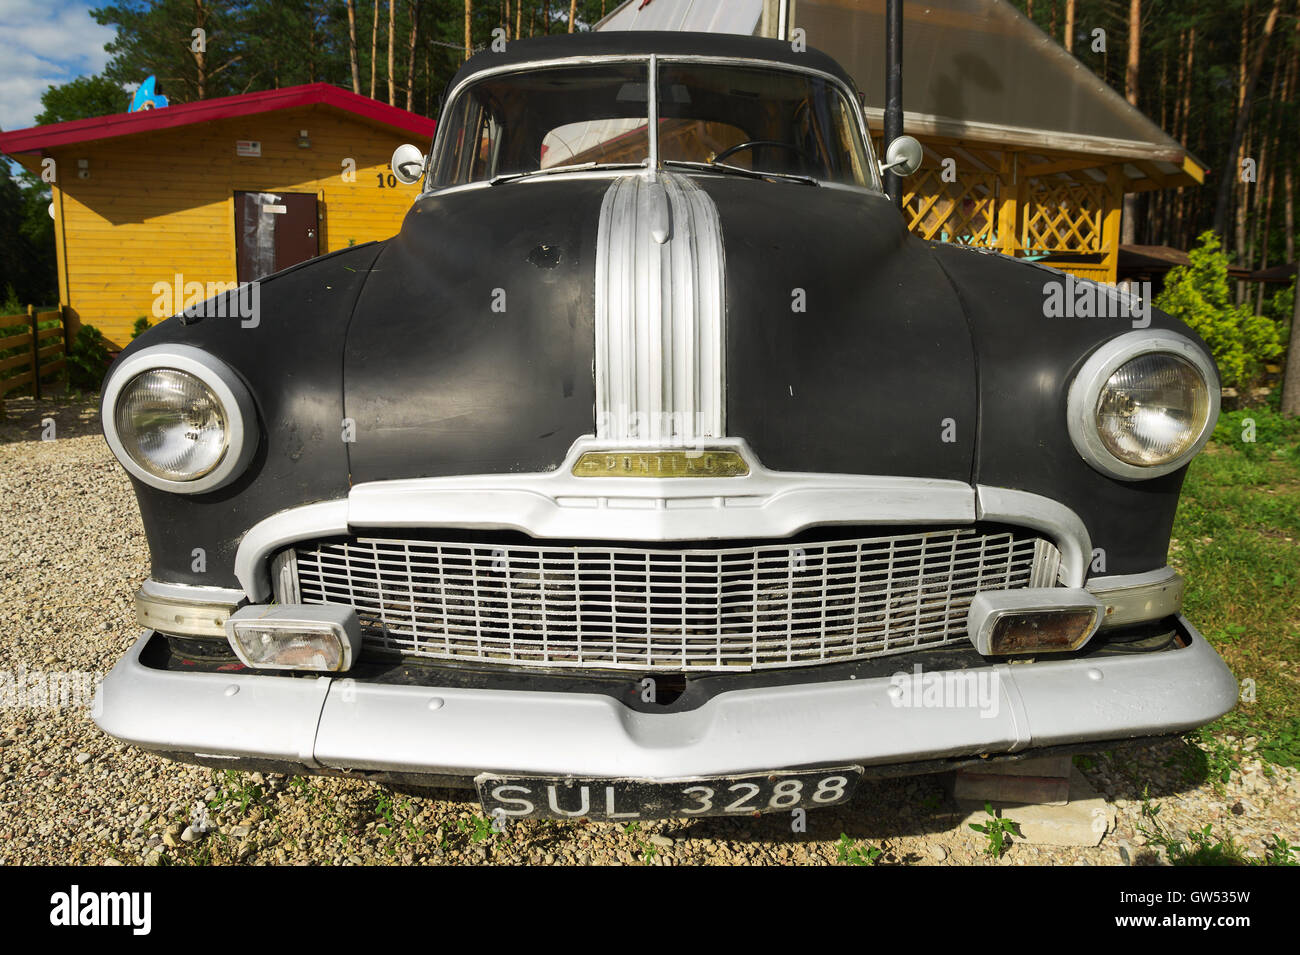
(654, 469)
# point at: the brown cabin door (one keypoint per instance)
(274, 230)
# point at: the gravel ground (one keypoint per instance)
(72, 553)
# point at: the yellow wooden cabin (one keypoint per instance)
(211, 193)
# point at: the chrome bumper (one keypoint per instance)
(323, 722)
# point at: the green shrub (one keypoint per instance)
(10, 304)
(87, 359)
(1279, 307)
(1201, 296)
(140, 327)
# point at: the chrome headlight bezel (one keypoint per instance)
(231, 393)
(1085, 391)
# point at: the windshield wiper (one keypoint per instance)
(574, 167)
(740, 171)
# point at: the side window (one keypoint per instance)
(850, 144)
(489, 143)
(474, 153)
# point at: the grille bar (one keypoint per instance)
(657, 608)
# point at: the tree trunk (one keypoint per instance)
(200, 57)
(1288, 213)
(519, 17)
(1176, 128)
(1184, 220)
(469, 41)
(352, 45)
(1240, 253)
(410, 55)
(392, 85)
(1128, 231)
(1262, 245)
(1291, 384)
(1069, 25)
(1232, 167)
(1288, 181)
(1255, 246)
(573, 13)
(1159, 201)
(374, 48)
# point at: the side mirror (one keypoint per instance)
(407, 164)
(903, 156)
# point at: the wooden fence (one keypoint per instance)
(38, 351)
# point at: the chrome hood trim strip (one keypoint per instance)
(660, 310)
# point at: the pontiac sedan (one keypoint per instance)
(653, 469)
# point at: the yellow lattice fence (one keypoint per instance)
(964, 211)
(1064, 217)
(1019, 215)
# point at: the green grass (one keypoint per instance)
(852, 852)
(997, 832)
(1203, 847)
(1237, 541)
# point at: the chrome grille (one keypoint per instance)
(692, 608)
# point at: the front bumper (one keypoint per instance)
(331, 723)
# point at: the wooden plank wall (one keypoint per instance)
(163, 203)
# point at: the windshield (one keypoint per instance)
(752, 118)
(760, 119)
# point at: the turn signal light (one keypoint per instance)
(295, 637)
(1035, 620)
(1037, 631)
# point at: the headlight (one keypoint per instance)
(171, 424)
(1152, 409)
(177, 419)
(1143, 404)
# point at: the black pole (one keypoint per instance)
(893, 90)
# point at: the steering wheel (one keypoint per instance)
(752, 143)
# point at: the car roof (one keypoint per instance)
(642, 42)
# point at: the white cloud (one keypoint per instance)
(46, 42)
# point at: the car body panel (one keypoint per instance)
(291, 359)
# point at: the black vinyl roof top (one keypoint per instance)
(640, 42)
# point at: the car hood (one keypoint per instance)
(504, 322)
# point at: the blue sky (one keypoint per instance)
(45, 42)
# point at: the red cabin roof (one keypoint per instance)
(37, 138)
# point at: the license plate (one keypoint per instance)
(615, 800)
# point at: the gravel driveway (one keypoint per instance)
(72, 553)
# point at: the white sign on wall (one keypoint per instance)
(248, 147)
